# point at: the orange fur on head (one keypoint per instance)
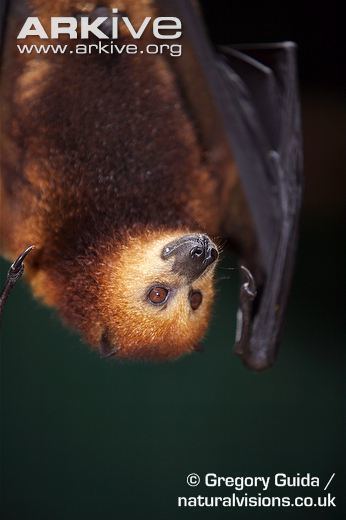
(138, 328)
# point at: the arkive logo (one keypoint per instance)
(162, 27)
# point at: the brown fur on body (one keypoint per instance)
(99, 155)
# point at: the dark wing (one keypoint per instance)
(246, 99)
(264, 127)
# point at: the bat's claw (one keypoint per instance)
(14, 273)
(248, 292)
(17, 268)
(249, 286)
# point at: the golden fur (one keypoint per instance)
(140, 329)
(102, 166)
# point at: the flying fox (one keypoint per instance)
(127, 172)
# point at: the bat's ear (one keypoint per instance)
(106, 349)
(261, 96)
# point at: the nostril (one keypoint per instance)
(197, 252)
(214, 254)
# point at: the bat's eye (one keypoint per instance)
(195, 299)
(158, 295)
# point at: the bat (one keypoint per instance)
(125, 172)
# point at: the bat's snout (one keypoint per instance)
(192, 255)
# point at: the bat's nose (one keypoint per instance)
(204, 250)
(192, 255)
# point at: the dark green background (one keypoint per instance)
(87, 439)
(90, 438)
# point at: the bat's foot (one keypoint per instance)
(17, 268)
(14, 273)
(248, 292)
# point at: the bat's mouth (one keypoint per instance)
(192, 255)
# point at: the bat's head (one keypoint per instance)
(156, 295)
